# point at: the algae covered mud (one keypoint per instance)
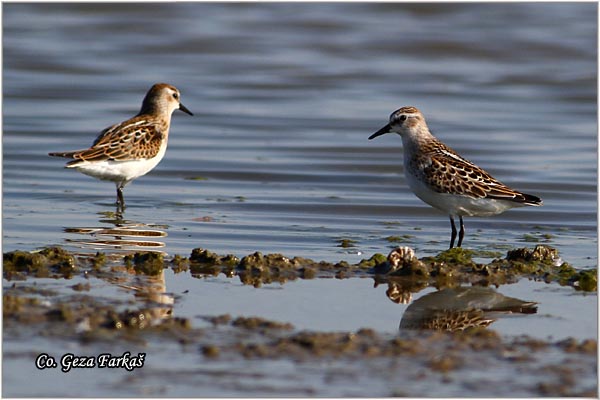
(111, 325)
(277, 160)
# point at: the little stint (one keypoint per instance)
(443, 179)
(126, 151)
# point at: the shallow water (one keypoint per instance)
(276, 157)
(285, 96)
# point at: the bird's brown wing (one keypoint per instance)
(138, 138)
(448, 172)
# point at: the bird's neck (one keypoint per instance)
(156, 111)
(416, 137)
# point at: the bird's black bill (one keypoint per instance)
(184, 109)
(382, 131)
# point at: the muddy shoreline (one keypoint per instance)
(73, 313)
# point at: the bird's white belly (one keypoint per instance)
(120, 171)
(458, 205)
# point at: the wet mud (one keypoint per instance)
(449, 268)
(452, 339)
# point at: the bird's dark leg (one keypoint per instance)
(461, 234)
(453, 232)
(120, 199)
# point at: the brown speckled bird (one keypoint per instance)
(443, 179)
(126, 151)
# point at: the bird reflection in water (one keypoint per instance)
(118, 234)
(114, 238)
(151, 291)
(449, 309)
(456, 309)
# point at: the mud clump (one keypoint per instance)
(278, 262)
(16, 307)
(545, 254)
(307, 344)
(98, 261)
(258, 262)
(50, 262)
(308, 273)
(205, 262)
(203, 256)
(76, 316)
(346, 243)
(448, 269)
(223, 319)
(149, 263)
(544, 261)
(402, 261)
(179, 264)
(445, 363)
(257, 269)
(88, 318)
(255, 323)
(138, 319)
(210, 351)
(571, 345)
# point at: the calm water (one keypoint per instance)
(276, 158)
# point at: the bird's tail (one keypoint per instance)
(532, 200)
(65, 154)
(76, 162)
(516, 306)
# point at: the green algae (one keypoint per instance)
(346, 243)
(530, 238)
(375, 260)
(537, 237)
(486, 253)
(585, 280)
(391, 224)
(399, 239)
(456, 255)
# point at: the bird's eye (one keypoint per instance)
(175, 96)
(399, 119)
